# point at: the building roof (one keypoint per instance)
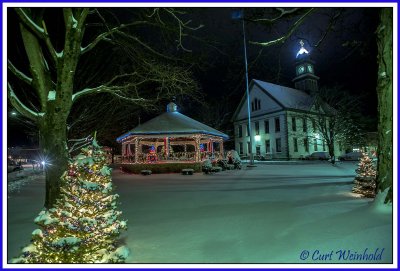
(289, 98)
(172, 123)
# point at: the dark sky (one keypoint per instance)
(346, 57)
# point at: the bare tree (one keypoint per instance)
(385, 104)
(333, 118)
(53, 71)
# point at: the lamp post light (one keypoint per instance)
(239, 15)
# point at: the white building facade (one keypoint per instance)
(282, 122)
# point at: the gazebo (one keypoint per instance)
(171, 138)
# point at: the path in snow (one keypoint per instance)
(267, 214)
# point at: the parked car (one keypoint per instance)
(12, 166)
(319, 155)
(351, 156)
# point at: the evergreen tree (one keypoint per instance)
(83, 226)
(365, 181)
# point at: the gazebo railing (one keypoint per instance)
(172, 157)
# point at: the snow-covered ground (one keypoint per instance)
(267, 214)
(16, 180)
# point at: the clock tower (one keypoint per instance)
(305, 78)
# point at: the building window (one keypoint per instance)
(266, 126)
(278, 145)
(304, 125)
(315, 145)
(314, 126)
(258, 150)
(277, 125)
(247, 130)
(295, 147)
(255, 104)
(306, 144)
(294, 124)
(240, 148)
(248, 148)
(240, 131)
(267, 146)
(323, 145)
(257, 126)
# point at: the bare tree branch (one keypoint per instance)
(283, 12)
(329, 28)
(38, 31)
(103, 88)
(18, 73)
(104, 36)
(182, 25)
(82, 18)
(112, 90)
(146, 46)
(29, 23)
(289, 33)
(23, 109)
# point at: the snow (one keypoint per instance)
(45, 218)
(82, 160)
(90, 185)
(67, 241)
(301, 51)
(122, 252)
(105, 171)
(37, 232)
(52, 95)
(288, 97)
(267, 214)
(74, 22)
(17, 180)
(29, 248)
(60, 54)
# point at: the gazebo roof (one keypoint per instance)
(172, 123)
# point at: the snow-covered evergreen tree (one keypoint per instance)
(84, 224)
(365, 181)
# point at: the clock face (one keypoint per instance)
(310, 68)
(300, 69)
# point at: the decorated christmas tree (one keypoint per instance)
(84, 225)
(365, 181)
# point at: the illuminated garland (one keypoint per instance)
(84, 224)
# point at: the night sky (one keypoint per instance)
(346, 58)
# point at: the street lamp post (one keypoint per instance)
(239, 15)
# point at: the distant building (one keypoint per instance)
(280, 116)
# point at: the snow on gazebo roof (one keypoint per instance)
(172, 123)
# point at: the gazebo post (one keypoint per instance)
(221, 148)
(197, 146)
(123, 151)
(185, 149)
(136, 149)
(166, 147)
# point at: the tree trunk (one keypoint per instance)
(385, 104)
(53, 144)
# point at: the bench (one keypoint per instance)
(145, 172)
(187, 171)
